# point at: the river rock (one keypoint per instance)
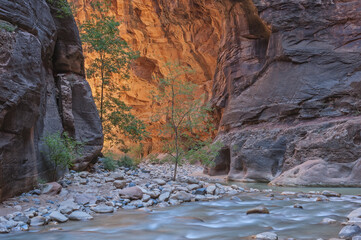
(52, 188)
(160, 182)
(266, 236)
(37, 221)
(328, 221)
(102, 209)
(57, 216)
(297, 205)
(330, 193)
(4, 229)
(355, 216)
(21, 217)
(182, 196)
(164, 196)
(83, 199)
(200, 191)
(120, 184)
(83, 174)
(349, 231)
(146, 198)
(80, 216)
(109, 179)
(192, 180)
(210, 189)
(288, 193)
(133, 193)
(68, 206)
(117, 176)
(192, 187)
(258, 210)
(154, 193)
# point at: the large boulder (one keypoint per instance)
(43, 91)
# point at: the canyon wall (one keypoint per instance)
(291, 100)
(43, 91)
(286, 80)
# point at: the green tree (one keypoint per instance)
(110, 61)
(184, 112)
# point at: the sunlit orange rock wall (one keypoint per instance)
(186, 31)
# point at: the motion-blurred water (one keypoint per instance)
(222, 219)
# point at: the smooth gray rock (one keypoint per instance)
(164, 196)
(159, 181)
(182, 196)
(266, 236)
(120, 184)
(57, 216)
(80, 216)
(133, 193)
(349, 231)
(37, 221)
(102, 209)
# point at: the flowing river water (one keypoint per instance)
(222, 219)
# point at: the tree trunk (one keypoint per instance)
(176, 156)
(101, 99)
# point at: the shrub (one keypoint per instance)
(126, 161)
(205, 153)
(62, 7)
(62, 150)
(7, 26)
(109, 164)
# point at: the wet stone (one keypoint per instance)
(258, 210)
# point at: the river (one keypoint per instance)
(222, 219)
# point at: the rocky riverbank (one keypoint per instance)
(82, 196)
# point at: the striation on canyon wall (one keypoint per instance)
(291, 100)
(42, 90)
(286, 80)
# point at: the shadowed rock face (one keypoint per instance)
(43, 90)
(290, 102)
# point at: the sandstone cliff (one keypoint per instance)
(43, 90)
(286, 79)
(291, 101)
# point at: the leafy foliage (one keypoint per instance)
(63, 8)
(62, 150)
(100, 36)
(182, 111)
(126, 161)
(7, 26)
(109, 164)
(205, 153)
